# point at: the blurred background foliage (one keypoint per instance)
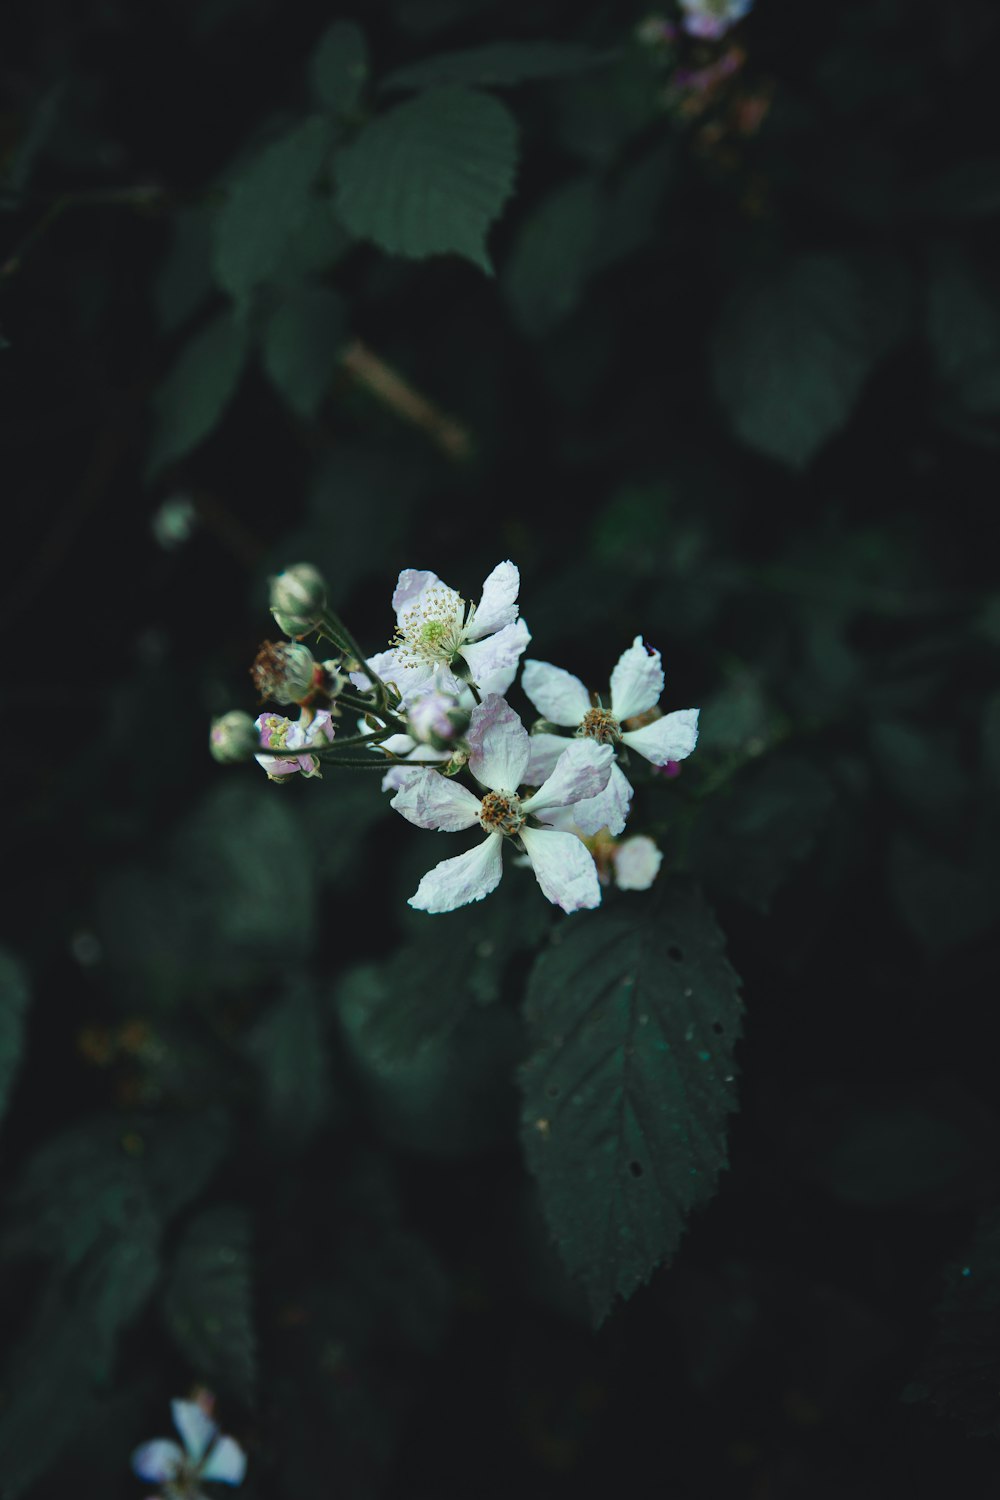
(704, 336)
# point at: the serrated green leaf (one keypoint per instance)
(267, 202)
(302, 343)
(792, 349)
(338, 69)
(550, 259)
(496, 63)
(288, 1047)
(632, 1019)
(196, 390)
(208, 1301)
(431, 175)
(14, 997)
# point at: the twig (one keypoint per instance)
(394, 392)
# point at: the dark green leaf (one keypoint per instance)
(208, 1302)
(430, 177)
(267, 202)
(289, 1048)
(14, 997)
(497, 63)
(550, 259)
(632, 1017)
(792, 350)
(302, 343)
(338, 70)
(196, 390)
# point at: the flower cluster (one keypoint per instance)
(203, 1454)
(434, 706)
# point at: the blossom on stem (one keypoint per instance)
(298, 599)
(282, 735)
(206, 1454)
(636, 685)
(286, 672)
(441, 637)
(711, 19)
(499, 754)
(233, 737)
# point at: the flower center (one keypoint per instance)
(501, 812)
(274, 731)
(431, 632)
(599, 724)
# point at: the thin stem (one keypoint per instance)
(396, 393)
(134, 197)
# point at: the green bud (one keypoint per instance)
(233, 738)
(298, 599)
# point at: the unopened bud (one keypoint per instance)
(233, 738)
(285, 672)
(298, 599)
(436, 719)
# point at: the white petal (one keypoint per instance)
(564, 868)
(195, 1427)
(498, 606)
(608, 809)
(543, 752)
(456, 882)
(557, 694)
(671, 738)
(227, 1462)
(637, 862)
(636, 682)
(412, 582)
(382, 662)
(583, 770)
(498, 744)
(431, 800)
(157, 1461)
(494, 661)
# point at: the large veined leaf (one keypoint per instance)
(208, 1304)
(266, 204)
(792, 350)
(197, 389)
(632, 1017)
(497, 63)
(13, 1003)
(431, 175)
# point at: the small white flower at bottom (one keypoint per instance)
(206, 1454)
(499, 752)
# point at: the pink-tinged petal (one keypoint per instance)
(609, 809)
(671, 738)
(158, 1461)
(543, 752)
(412, 582)
(227, 1462)
(557, 694)
(431, 800)
(278, 767)
(498, 606)
(636, 682)
(637, 862)
(195, 1427)
(494, 661)
(583, 770)
(498, 745)
(564, 868)
(456, 882)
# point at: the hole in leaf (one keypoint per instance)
(635, 1167)
(552, 1092)
(675, 953)
(717, 1027)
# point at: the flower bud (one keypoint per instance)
(285, 672)
(436, 719)
(233, 738)
(637, 862)
(298, 599)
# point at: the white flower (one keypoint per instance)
(499, 751)
(437, 631)
(205, 1455)
(712, 18)
(636, 684)
(636, 862)
(290, 737)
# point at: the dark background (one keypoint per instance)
(375, 1299)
